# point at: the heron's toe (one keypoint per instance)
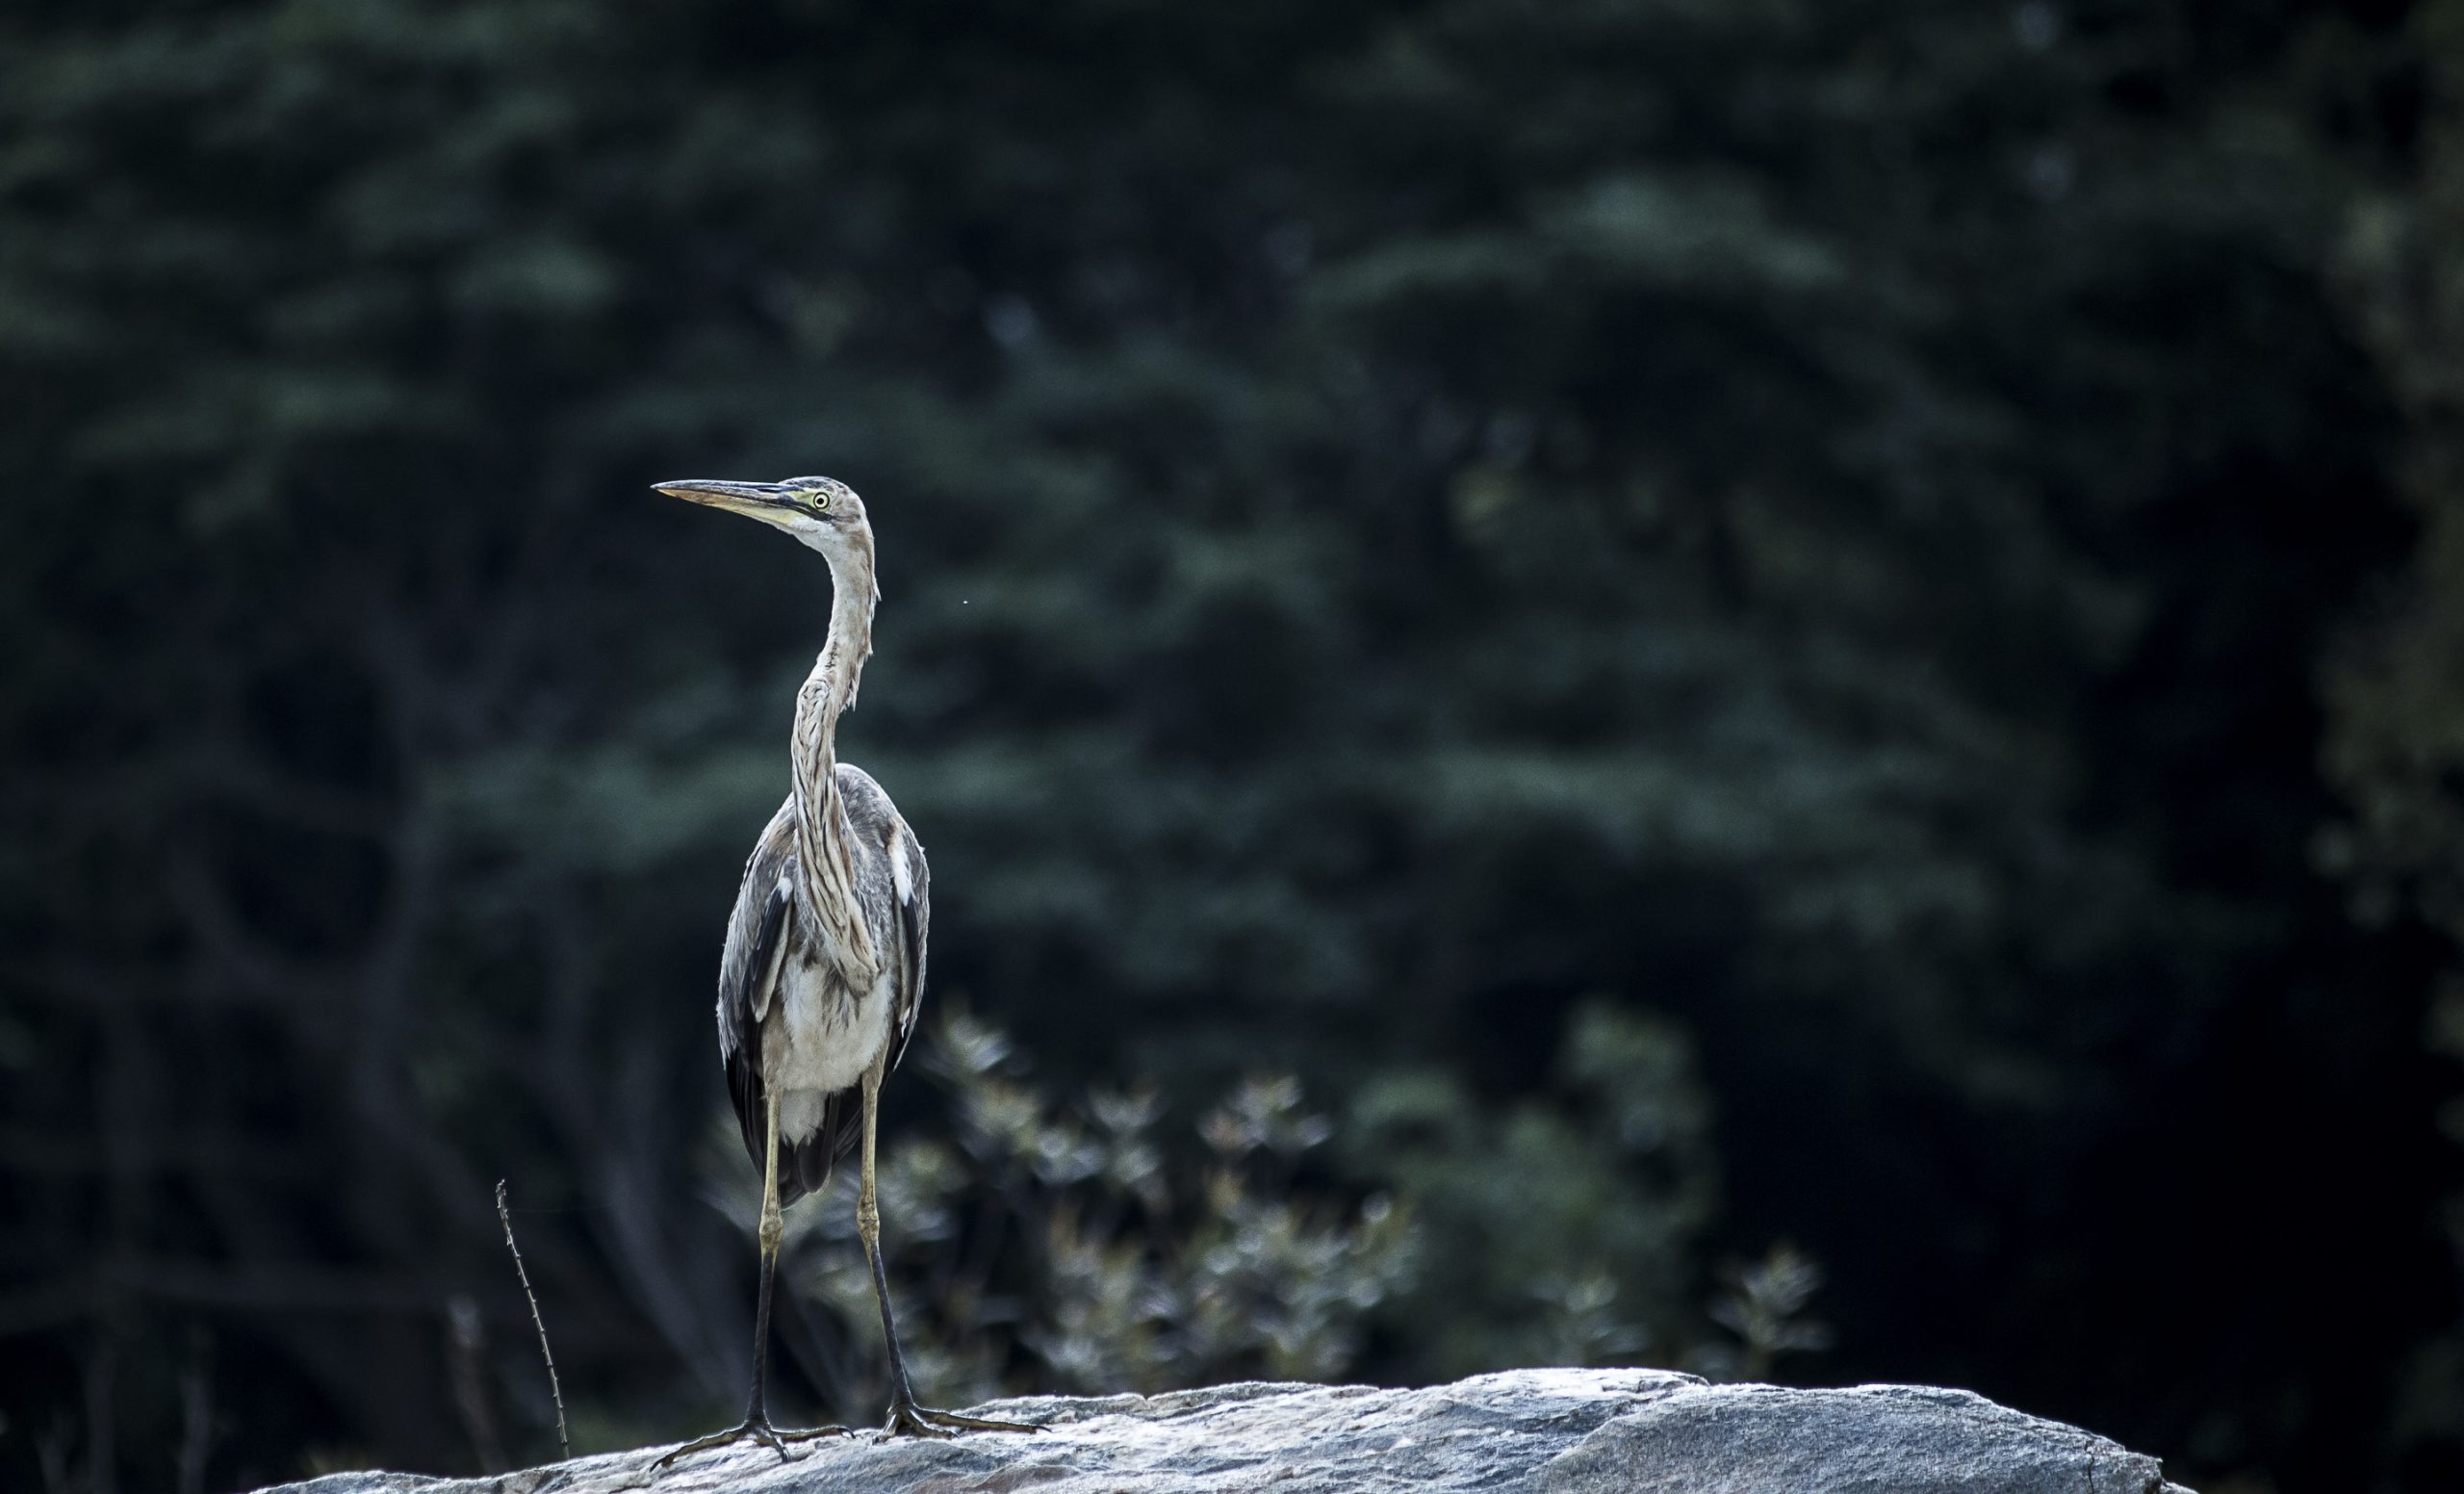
(910, 1420)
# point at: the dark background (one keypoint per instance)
(1766, 642)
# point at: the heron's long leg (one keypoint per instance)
(756, 1427)
(774, 1228)
(906, 1417)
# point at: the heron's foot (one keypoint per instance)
(906, 1419)
(760, 1432)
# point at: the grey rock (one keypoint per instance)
(1524, 1431)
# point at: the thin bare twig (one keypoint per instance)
(505, 1215)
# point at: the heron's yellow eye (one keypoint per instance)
(820, 501)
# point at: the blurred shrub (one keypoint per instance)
(1088, 1248)
(1571, 1225)
(1095, 1248)
(1765, 1307)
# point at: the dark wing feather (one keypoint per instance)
(915, 927)
(757, 946)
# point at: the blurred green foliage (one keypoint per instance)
(1707, 621)
(1570, 1227)
(1083, 1244)
(1087, 1244)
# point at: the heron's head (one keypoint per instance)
(823, 512)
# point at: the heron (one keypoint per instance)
(823, 969)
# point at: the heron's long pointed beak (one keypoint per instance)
(746, 497)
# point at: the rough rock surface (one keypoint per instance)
(1538, 1431)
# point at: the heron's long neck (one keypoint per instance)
(822, 831)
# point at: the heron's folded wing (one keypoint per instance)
(914, 893)
(749, 968)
